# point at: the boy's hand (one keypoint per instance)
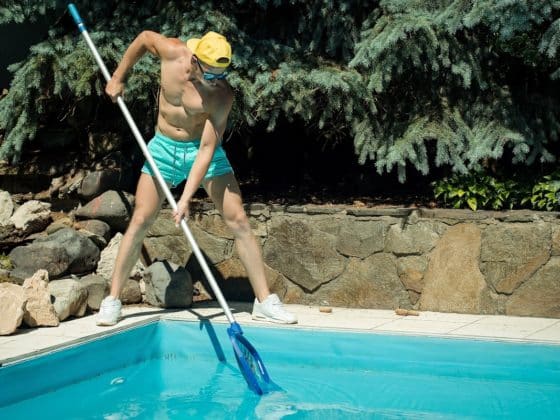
(114, 89)
(181, 212)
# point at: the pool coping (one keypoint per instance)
(33, 342)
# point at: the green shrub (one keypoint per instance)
(476, 191)
(409, 85)
(482, 191)
(545, 194)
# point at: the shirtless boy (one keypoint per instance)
(194, 105)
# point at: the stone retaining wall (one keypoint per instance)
(435, 260)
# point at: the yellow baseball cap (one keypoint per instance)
(212, 49)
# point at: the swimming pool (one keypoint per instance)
(172, 370)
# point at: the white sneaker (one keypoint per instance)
(271, 309)
(109, 312)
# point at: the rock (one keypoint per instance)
(97, 288)
(109, 255)
(506, 263)
(97, 182)
(540, 295)
(411, 272)
(70, 298)
(61, 223)
(10, 236)
(304, 254)
(406, 312)
(12, 306)
(32, 216)
(97, 230)
(412, 239)
(215, 225)
(71, 183)
(453, 281)
(167, 242)
(28, 259)
(361, 239)
(83, 253)
(232, 280)
(65, 251)
(508, 284)
(6, 207)
(369, 283)
(131, 292)
(168, 285)
(112, 207)
(39, 311)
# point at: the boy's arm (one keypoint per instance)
(212, 134)
(147, 41)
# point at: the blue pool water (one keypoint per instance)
(172, 370)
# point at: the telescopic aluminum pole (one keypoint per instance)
(157, 173)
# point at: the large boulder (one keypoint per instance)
(302, 252)
(131, 292)
(32, 216)
(70, 298)
(64, 252)
(112, 207)
(511, 254)
(361, 239)
(167, 242)
(12, 306)
(412, 239)
(97, 288)
(109, 255)
(39, 311)
(540, 295)
(97, 182)
(453, 281)
(369, 283)
(168, 285)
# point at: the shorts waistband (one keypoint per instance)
(177, 143)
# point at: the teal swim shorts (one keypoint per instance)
(175, 158)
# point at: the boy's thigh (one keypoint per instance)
(224, 192)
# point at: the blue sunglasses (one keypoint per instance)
(210, 76)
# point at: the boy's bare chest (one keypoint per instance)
(178, 91)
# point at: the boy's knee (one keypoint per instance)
(238, 223)
(140, 222)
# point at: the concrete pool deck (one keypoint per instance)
(29, 342)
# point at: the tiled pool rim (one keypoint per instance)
(28, 343)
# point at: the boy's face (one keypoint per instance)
(210, 73)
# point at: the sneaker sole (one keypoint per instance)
(105, 323)
(268, 319)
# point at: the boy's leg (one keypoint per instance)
(225, 193)
(148, 201)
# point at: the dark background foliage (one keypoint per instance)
(338, 98)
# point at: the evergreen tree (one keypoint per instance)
(411, 83)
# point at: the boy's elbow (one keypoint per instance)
(148, 41)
